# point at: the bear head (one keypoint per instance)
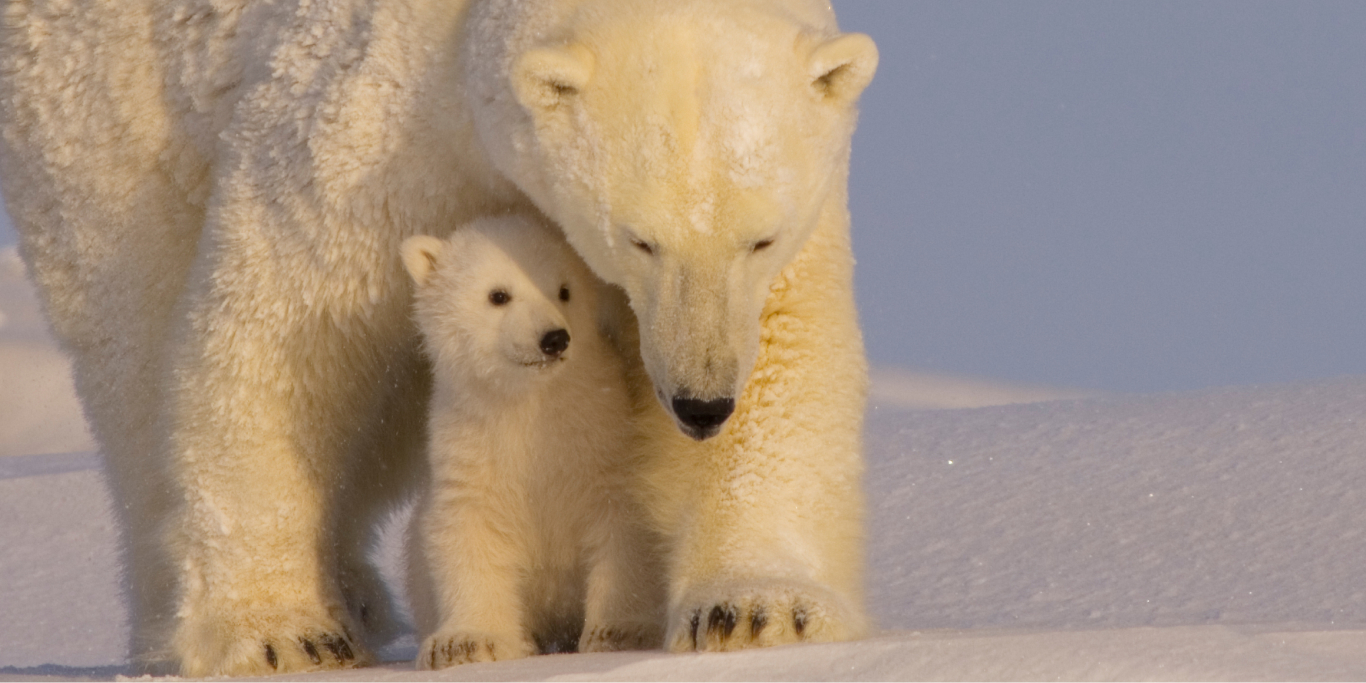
(500, 301)
(689, 149)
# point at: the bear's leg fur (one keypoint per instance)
(259, 589)
(472, 556)
(766, 522)
(280, 371)
(257, 593)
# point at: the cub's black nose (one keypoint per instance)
(555, 342)
(702, 419)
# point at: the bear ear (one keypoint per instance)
(421, 254)
(841, 68)
(545, 78)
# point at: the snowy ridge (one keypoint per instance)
(1205, 535)
(1226, 506)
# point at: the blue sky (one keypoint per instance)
(1129, 196)
(1132, 196)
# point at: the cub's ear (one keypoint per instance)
(421, 254)
(841, 68)
(545, 78)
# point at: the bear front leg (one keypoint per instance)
(270, 398)
(765, 520)
(258, 592)
(472, 565)
(770, 551)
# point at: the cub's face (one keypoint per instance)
(500, 300)
(689, 157)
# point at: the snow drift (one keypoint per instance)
(1204, 535)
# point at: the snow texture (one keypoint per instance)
(1209, 535)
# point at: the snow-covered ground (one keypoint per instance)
(1207, 535)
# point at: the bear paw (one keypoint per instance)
(314, 651)
(750, 615)
(277, 644)
(618, 637)
(449, 648)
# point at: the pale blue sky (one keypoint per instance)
(1130, 196)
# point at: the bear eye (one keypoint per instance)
(499, 297)
(643, 246)
(762, 244)
(564, 293)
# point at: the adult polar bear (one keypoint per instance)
(211, 195)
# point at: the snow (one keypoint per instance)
(1209, 535)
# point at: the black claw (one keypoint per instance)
(432, 658)
(311, 650)
(799, 620)
(338, 647)
(696, 623)
(716, 620)
(271, 659)
(728, 627)
(757, 621)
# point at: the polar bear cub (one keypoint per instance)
(527, 537)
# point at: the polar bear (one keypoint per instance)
(527, 535)
(211, 195)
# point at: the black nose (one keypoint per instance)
(702, 419)
(555, 342)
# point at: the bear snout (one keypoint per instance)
(702, 419)
(555, 342)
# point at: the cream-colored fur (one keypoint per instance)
(528, 535)
(211, 195)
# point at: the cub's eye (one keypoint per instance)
(564, 293)
(643, 246)
(762, 245)
(498, 297)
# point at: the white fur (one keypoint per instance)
(528, 535)
(211, 195)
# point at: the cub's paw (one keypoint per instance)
(267, 644)
(618, 637)
(448, 648)
(742, 615)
